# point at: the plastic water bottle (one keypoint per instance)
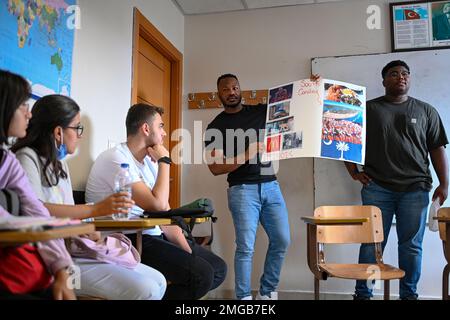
(122, 182)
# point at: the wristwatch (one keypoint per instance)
(165, 160)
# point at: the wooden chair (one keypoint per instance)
(342, 225)
(443, 217)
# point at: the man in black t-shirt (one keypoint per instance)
(234, 140)
(401, 133)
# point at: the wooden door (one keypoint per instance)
(157, 80)
(154, 75)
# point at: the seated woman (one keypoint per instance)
(54, 132)
(26, 272)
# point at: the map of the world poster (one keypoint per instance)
(37, 43)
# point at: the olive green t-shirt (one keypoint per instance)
(399, 139)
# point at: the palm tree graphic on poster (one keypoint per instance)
(342, 147)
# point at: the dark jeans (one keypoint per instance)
(410, 211)
(189, 276)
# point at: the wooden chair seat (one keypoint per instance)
(347, 225)
(361, 271)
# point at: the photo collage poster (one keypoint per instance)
(324, 119)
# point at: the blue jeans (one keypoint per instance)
(250, 204)
(410, 210)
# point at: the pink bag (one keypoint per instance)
(115, 248)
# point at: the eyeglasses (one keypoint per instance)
(396, 74)
(79, 128)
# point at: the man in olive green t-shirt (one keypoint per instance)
(401, 133)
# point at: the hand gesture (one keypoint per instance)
(315, 77)
(60, 289)
(119, 202)
(157, 152)
(361, 177)
(442, 193)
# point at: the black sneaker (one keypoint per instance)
(359, 297)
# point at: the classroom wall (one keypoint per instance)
(265, 48)
(102, 64)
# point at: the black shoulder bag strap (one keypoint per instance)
(9, 200)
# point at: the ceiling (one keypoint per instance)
(193, 7)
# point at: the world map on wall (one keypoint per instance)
(36, 39)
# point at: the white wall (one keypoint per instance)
(102, 67)
(264, 48)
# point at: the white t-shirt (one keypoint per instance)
(33, 165)
(100, 183)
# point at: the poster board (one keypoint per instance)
(323, 118)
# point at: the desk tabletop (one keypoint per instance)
(334, 221)
(20, 237)
(442, 219)
(143, 223)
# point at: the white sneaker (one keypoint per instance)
(273, 296)
(247, 298)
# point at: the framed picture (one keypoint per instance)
(420, 25)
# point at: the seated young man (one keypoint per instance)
(164, 248)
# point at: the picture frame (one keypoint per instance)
(420, 25)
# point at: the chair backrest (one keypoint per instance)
(443, 212)
(368, 232)
(78, 197)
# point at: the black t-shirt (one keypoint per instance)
(237, 131)
(399, 139)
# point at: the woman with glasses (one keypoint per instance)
(54, 132)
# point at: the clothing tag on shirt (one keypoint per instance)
(413, 120)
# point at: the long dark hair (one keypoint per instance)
(14, 90)
(48, 113)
